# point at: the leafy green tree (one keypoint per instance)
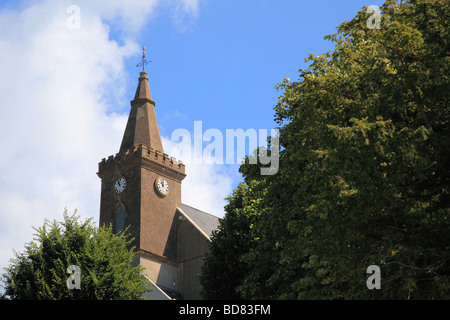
(223, 271)
(363, 175)
(368, 123)
(104, 260)
(366, 146)
(264, 260)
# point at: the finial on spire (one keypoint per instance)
(144, 61)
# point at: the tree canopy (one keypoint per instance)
(71, 251)
(363, 177)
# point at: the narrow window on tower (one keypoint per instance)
(120, 219)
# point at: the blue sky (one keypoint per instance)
(64, 93)
(222, 66)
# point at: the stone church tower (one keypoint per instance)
(141, 191)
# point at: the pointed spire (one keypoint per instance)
(142, 127)
(143, 89)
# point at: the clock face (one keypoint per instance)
(162, 186)
(119, 186)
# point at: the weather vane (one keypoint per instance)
(143, 62)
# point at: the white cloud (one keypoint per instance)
(184, 11)
(53, 124)
(188, 6)
(128, 15)
(59, 90)
(206, 184)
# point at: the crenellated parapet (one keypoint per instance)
(145, 154)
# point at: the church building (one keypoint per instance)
(141, 191)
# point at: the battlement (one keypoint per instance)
(142, 151)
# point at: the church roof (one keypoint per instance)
(204, 221)
(173, 294)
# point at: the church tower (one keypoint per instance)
(141, 191)
(141, 185)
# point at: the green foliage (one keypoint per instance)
(223, 271)
(363, 175)
(104, 259)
